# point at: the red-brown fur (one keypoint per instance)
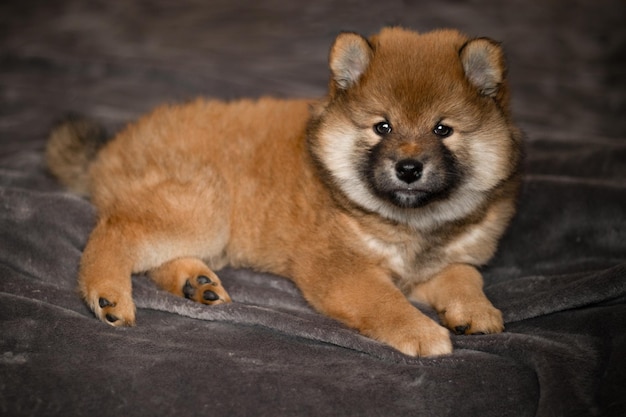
(277, 185)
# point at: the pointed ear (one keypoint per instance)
(350, 56)
(483, 63)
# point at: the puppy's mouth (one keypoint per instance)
(433, 187)
(410, 197)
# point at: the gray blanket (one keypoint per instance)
(559, 276)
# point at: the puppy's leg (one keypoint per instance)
(190, 278)
(457, 295)
(364, 298)
(105, 272)
(116, 249)
(165, 230)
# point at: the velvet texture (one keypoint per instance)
(559, 276)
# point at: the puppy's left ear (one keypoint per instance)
(350, 56)
(483, 63)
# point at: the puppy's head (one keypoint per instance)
(412, 120)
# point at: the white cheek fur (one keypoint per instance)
(484, 154)
(340, 157)
(340, 154)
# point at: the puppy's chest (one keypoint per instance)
(409, 261)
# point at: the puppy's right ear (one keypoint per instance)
(350, 56)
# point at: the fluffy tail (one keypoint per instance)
(72, 146)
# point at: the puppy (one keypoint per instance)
(395, 186)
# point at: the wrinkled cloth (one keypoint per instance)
(559, 276)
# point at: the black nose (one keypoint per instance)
(409, 170)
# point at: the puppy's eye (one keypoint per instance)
(382, 128)
(442, 131)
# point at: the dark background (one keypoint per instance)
(559, 276)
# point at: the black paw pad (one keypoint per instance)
(103, 302)
(461, 329)
(203, 279)
(188, 290)
(209, 295)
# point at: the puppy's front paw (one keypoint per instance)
(419, 336)
(479, 317)
(113, 307)
(431, 340)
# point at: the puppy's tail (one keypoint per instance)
(73, 145)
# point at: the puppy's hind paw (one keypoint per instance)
(113, 309)
(205, 289)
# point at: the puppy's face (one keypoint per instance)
(406, 172)
(412, 120)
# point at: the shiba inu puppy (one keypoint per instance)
(394, 187)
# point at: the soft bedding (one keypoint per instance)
(559, 276)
